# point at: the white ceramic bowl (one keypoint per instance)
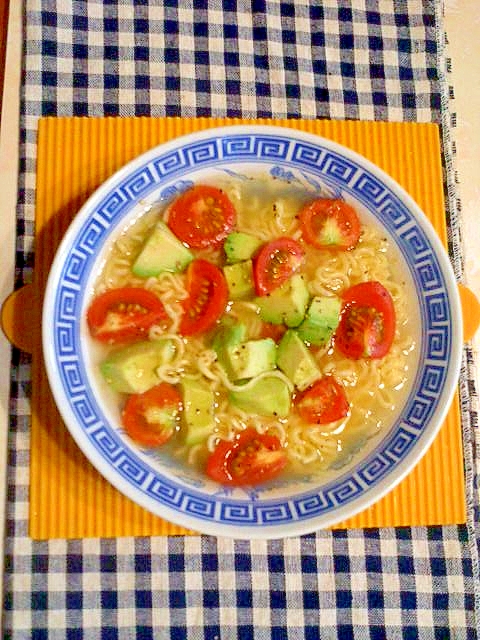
(178, 494)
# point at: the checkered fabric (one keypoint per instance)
(360, 59)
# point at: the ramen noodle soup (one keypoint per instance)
(285, 363)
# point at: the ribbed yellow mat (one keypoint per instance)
(68, 498)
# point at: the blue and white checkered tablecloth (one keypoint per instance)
(357, 59)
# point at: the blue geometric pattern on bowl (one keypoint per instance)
(294, 155)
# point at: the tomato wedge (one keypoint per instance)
(207, 297)
(150, 418)
(275, 262)
(273, 331)
(324, 402)
(124, 314)
(202, 216)
(367, 321)
(330, 224)
(251, 458)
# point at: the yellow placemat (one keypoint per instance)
(68, 497)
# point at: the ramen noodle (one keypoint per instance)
(268, 209)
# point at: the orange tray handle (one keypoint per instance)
(21, 316)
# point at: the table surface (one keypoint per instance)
(462, 22)
(3, 33)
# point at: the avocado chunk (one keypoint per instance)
(321, 320)
(267, 396)
(250, 359)
(239, 277)
(161, 252)
(296, 361)
(240, 246)
(225, 338)
(198, 410)
(132, 369)
(243, 358)
(286, 304)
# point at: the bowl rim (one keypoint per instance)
(214, 527)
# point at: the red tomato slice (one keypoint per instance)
(275, 263)
(207, 297)
(251, 458)
(330, 224)
(367, 322)
(273, 331)
(202, 216)
(124, 315)
(150, 418)
(325, 401)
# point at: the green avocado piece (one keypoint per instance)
(240, 246)
(161, 252)
(250, 359)
(296, 361)
(286, 304)
(239, 277)
(321, 320)
(198, 410)
(132, 369)
(267, 396)
(227, 337)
